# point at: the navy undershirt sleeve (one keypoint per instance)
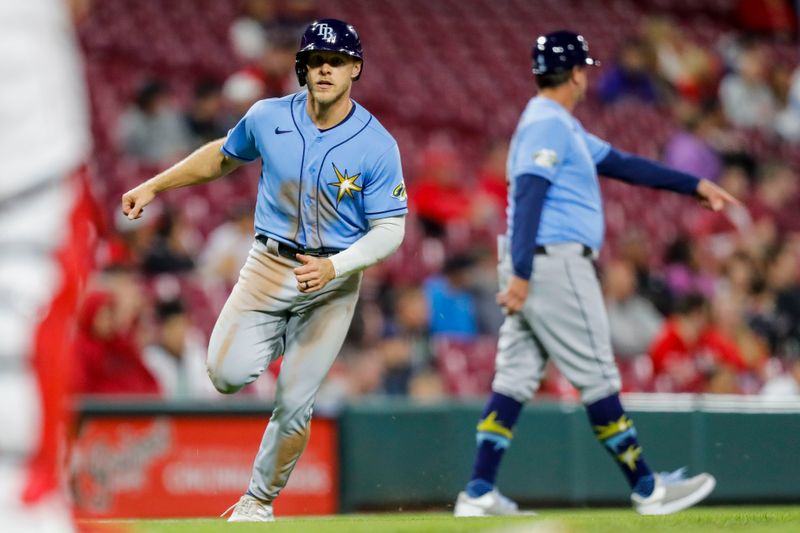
(640, 171)
(528, 201)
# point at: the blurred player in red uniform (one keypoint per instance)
(44, 139)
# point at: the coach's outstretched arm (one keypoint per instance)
(205, 164)
(640, 171)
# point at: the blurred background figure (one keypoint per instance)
(110, 357)
(249, 31)
(451, 306)
(151, 129)
(203, 118)
(227, 246)
(691, 355)
(176, 357)
(633, 319)
(630, 76)
(745, 94)
(46, 229)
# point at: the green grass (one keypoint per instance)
(709, 519)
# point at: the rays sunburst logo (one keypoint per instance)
(346, 184)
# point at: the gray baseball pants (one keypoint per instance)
(563, 319)
(264, 317)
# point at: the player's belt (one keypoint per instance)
(584, 250)
(290, 252)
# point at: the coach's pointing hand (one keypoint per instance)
(315, 273)
(513, 298)
(714, 197)
(134, 200)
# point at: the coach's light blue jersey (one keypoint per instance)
(551, 143)
(318, 188)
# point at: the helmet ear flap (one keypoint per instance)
(301, 69)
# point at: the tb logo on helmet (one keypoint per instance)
(325, 32)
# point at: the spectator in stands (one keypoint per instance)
(109, 360)
(746, 97)
(630, 76)
(442, 199)
(689, 68)
(635, 248)
(426, 387)
(450, 303)
(787, 123)
(730, 317)
(782, 281)
(227, 247)
(691, 149)
(203, 115)
(484, 283)
(276, 65)
(240, 91)
(492, 174)
(151, 129)
(398, 369)
(122, 281)
(248, 33)
(691, 355)
(775, 200)
(634, 320)
(177, 357)
(169, 252)
(786, 384)
(492, 184)
(411, 320)
(683, 272)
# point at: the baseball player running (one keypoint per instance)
(549, 289)
(331, 201)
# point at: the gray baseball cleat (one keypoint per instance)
(674, 492)
(490, 504)
(250, 509)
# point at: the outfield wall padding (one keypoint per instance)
(394, 454)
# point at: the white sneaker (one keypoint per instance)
(490, 504)
(673, 492)
(250, 509)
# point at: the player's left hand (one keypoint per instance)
(715, 197)
(315, 273)
(513, 297)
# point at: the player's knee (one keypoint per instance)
(223, 381)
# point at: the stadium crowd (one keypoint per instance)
(713, 308)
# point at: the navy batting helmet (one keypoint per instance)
(560, 51)
(331, 35)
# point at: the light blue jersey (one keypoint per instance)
(318, 189)
(551, 143)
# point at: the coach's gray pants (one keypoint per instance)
(264, 317)
(564, 319)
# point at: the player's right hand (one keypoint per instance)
(512, 299)
(134, 200)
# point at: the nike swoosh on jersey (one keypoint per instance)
(279, 131)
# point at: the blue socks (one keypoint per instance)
(494, 436)
(616, 432)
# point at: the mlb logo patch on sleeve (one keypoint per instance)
(546, 158)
